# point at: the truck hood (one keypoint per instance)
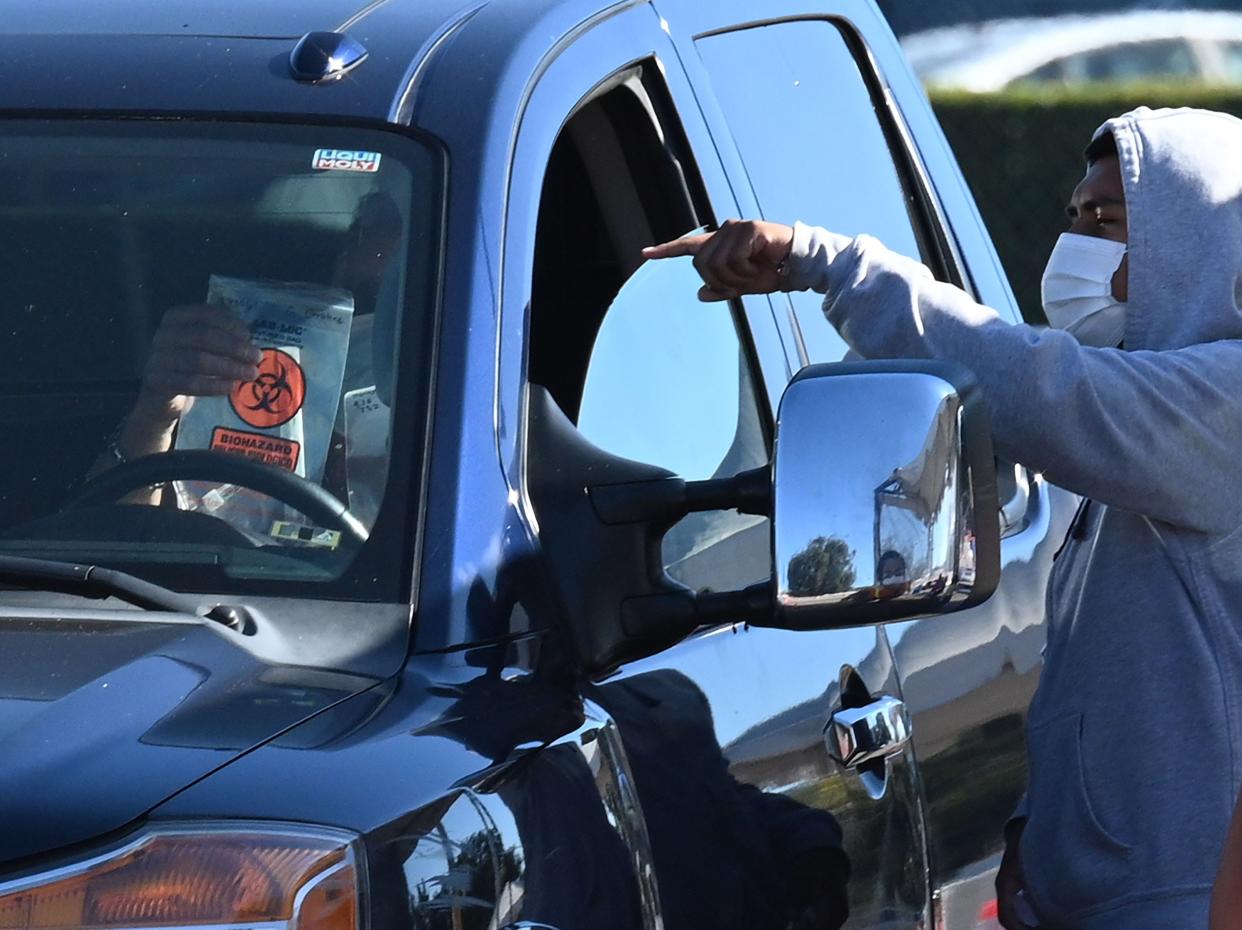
(103, 719)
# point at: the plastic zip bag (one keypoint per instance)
(283, 417)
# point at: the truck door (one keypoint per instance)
(746, 810)
(823, 141)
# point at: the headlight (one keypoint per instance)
(285, 878)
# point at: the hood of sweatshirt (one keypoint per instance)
(1182, 172)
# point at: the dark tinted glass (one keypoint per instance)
(311, 243)
(803, 118)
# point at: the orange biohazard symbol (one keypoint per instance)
(275, 395)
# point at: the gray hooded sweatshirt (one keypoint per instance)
(1135, 733)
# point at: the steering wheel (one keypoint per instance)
(202, 465)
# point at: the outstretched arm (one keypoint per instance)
(1143, 431)
(1140, 430)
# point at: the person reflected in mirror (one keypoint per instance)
(1133, 400)
(892, 576)
(570, 867)
(200, 350)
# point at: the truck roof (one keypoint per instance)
(233, 18)
(232, 56)
(229, 56)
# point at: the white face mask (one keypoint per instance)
(1077, 289)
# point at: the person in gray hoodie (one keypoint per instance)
(1135, 403)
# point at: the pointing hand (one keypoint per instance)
(742, 257)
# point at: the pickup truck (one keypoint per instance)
(561, 599)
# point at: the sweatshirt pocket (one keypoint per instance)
(1071, 860)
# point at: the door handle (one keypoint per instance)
(1014, 483)
(875, 731)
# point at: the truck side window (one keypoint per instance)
(643, 368)
(806, 124)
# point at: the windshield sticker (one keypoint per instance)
(303, 535)
(346, 160)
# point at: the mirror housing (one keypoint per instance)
(881, 495)
(884, 501)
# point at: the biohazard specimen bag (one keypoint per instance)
(284, 416)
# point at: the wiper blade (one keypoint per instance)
(94, 581)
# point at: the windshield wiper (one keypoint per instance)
(94, 581)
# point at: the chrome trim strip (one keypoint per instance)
(402, 107)
(315, 881)
(360, 15)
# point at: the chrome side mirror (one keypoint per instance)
(884, 495)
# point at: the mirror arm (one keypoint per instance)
(754, 604)
(670, 499)
(657, 613)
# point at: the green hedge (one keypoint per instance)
(1021, 152)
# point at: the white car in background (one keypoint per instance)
(1139, 45)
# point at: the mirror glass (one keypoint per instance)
(873, 501)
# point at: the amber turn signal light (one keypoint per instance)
(195, 877)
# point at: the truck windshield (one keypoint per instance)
(201, 327)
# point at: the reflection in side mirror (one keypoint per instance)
(884, 495)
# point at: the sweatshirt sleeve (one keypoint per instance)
(1149, 432)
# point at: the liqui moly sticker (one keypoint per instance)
(346, 160)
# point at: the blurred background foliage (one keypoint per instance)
(1021, 151)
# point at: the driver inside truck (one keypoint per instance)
(206, 350)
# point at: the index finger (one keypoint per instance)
(686, 245)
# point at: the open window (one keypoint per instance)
(614, 184)
(626, 350)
